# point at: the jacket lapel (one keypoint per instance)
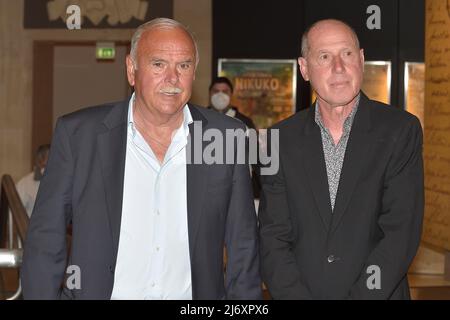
(112, 145)
(196, 172)
(314, 165)
(354, 160)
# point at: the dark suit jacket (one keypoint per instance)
(246, 120)
(255, 174)
(83, 183)
(240, 116)
(310, 252)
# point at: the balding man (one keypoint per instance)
(342, 218)
(148, 222)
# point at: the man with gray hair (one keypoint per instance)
(342, 218)
(147, 223)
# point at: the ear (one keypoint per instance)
(303, 64)
(130, 70)
(361, 57)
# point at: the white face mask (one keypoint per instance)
(220, 101)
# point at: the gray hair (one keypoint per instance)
(159, 23)
(305, 43)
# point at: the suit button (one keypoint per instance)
(331, 258)
(111, 269)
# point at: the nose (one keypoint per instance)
(172, 75)
(338, 64)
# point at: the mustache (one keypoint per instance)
(171, 90)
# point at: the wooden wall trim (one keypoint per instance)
(42, 97)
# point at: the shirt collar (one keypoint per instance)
(231, 113)
(187, 117)
(347, 122)
(130, 115)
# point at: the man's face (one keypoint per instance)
(334, 65)
(220, 87)
(42, 161)
(164, 70)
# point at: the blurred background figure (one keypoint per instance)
(28, 186)
(220, 93)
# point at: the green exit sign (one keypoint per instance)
(105, 51)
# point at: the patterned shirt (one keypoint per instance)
(334, 154)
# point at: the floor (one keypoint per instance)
(423, 287)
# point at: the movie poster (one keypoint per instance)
(415, 89)
(377, 80)
(264, 90)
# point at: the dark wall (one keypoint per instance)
(377, 44)
(263, 29)
(272, 30)
(411, 37)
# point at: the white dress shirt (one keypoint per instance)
(27, 188)
(153, 260)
